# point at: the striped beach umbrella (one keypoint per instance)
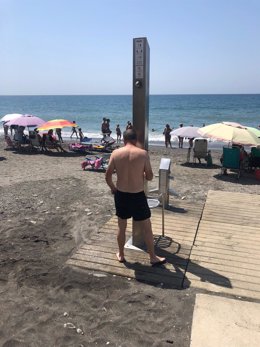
(56, 124)
(226, 131)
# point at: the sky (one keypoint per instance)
(57, 47)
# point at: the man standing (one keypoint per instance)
(132, 165)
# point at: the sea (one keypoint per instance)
(89, 110)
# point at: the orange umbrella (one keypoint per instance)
(56, 123)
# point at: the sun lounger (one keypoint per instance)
(80, 147)
(200, 150)
(231, 160)
(10, 143)
(254, 158)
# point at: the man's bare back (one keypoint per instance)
(132, 165)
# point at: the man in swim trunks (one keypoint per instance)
(132, 165)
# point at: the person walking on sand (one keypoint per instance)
(167, 135)
(132, 165)
(74, 130)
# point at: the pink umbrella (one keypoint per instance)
(26, 121)
(10, 116)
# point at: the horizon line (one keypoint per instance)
(159, 94)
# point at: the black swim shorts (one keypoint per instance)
(132, 205)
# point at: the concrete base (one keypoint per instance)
(219, 321)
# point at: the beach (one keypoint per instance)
(49, 206)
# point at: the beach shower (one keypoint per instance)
(141, 77)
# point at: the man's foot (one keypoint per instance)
(158, 261)
(120, 258)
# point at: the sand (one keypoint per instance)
(48, 207)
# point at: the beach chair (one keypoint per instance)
(35, 143)
(231, 160)
(254, 158)
(9, 142)
(200, 150)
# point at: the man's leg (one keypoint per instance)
(148, 238)
(122, 224)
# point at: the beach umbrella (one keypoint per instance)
(10, 116)
(26, 121)
(224, 131)
(56, 123)
(189, 132)
(255, 131)
(238, 125)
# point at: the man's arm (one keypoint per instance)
(109, 173)
(148, 169)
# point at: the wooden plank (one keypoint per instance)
(216, 235)
(225, 272)
(165, 270)
(175, 238)
(138, 275)
(232, 242)
(216, 227)
(238, 197)
(217, 264)
(229, 230)
(226, 249)
(236, 221)
(169, 222)
(225, 256)
(173, 260)
(237, 289)
(172, 256)
(223, 283)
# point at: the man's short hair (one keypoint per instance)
(130, 135)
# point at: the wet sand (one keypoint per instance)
(48, 207)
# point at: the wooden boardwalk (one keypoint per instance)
(226, 254)
(180, 228)
(215, 247)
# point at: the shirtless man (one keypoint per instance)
(132, 165)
